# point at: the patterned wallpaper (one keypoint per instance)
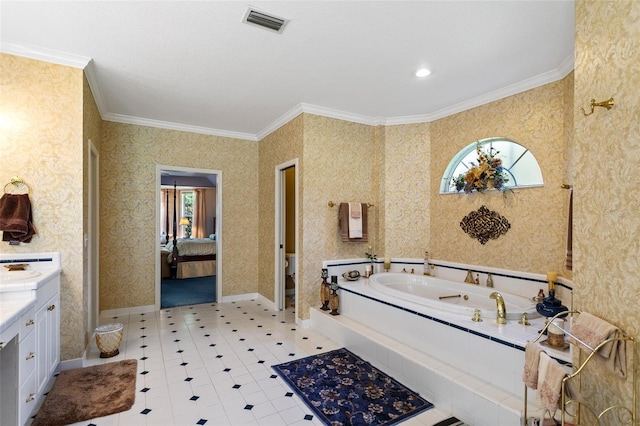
(607, 158)
(128, 248)
(340, 165)
(407, 177)
(41, 141)
(281, 146)
(92, 129)
(536, 240)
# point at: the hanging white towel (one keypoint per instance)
(355, 220)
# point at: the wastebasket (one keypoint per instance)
(108, 338)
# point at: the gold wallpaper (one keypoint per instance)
(41, 141)
(407, 177)
(607, 158)
(538, 216)
(281, 146)
(92, 129)
(128, 216)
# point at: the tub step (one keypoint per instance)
(472, 400)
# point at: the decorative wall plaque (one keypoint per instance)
(484, 224)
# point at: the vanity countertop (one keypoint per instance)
(18, 297)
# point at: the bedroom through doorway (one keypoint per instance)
(188, 255)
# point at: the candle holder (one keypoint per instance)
(324, 290)
(387, 264)
(335, 300)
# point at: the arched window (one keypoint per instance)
(518, 164)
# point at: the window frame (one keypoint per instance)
(446, 186)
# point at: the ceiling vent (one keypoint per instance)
(256, 17)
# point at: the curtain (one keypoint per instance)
(199, 225)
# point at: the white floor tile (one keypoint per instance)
(211, 364)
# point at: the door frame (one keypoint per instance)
(92, 239)
(159, 169)
(280, 233)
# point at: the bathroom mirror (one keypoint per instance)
(518, 162)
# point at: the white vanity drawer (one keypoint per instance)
(27, 323)
(27, 398)
(27, 355)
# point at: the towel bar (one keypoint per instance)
(332, 204)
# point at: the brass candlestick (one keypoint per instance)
(324, 290)
(335, 300)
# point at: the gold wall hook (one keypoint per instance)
(608, 104)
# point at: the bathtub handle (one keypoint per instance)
(449, 297)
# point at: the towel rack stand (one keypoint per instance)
(17, 183)
(627, 415)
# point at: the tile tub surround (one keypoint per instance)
(485, 358)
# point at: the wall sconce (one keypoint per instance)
(185, 222)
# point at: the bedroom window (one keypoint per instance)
(186, 202)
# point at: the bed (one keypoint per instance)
(189, 257)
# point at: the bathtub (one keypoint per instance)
(460, 298)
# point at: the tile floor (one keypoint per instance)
(211, 364)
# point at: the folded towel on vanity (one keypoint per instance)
(16, 218)
(589, 330)
(531, 365)
(355, 220)
(550, 377)
(344, 216)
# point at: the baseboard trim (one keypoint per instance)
(110, 313)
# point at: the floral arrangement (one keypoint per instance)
(370, 255)
(487, 174)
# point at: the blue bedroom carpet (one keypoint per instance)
(187, 291)
(343, 389)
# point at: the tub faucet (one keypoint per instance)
(501, 313)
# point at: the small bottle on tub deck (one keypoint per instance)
(427, 269)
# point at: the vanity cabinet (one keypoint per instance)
(29, 350)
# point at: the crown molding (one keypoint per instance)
(43, 54)
(127, 119)
(559, 73)
(87, 64)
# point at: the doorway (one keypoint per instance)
(194, 281)
(286, 242)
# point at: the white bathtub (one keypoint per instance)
(433, 292)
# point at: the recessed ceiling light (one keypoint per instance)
(422, 72)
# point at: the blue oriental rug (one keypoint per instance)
(342, 389)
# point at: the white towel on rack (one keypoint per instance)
(589, 331)
(550, 375)
(531, 365)
(355, 220)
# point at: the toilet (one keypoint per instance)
(290, 263)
